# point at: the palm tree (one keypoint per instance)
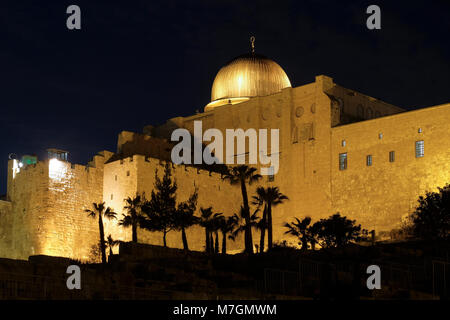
(215, 227)
(101, 211)
(110, 243)
(134, 214)
(301, 230)
(271, 197)
(205, 221)
(259, 200)
(226, 226)
(242, 175)
(185, 218)
(242, 225)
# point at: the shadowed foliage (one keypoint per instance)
(227, 225)
(243, 224)
(111, 243)
(338, 231)
(303, 231)
(161, 208)
(270, 197)
(133, 217)
(431, 219)
(241, 175)
(101, 212)
(185, 217)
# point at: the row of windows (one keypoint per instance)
(419, 148)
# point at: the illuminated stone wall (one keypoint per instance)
(47, 203)
(45, 213)
(305, 116)
(123, 178)
(378, 196)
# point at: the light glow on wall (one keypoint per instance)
(57, 169)
(16, 167)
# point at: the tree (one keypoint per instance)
(215, 227)
(185, 217)
(241, 175)
(100, 211)
(226, 226)
(431, 218)
(271, 197)
(160, 209)
(338, 231)
(259, 200)
(133, 218)
(111, 243)
(301, 229)
(244, 224)
(205, 221)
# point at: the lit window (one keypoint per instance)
(342, 161)
(392, 156)
(420, 149)
(344, 143)
(369, 160)
(380, 136)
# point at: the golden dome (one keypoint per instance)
(249, 75)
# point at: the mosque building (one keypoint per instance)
(339, 151)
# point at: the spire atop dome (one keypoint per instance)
(252, 43)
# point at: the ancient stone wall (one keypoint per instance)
(47, 209)
(378, 196)
(123, 178)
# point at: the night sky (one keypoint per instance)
(142, 62)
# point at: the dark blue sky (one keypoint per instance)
(141, 62)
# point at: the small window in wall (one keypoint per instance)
(420, 149)
(342, 161)
(128, 173)
(115, 178)
(112, 196)
(344, 143)
(391, 156)
(369, 160)
(380, 136)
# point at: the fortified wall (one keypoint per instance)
(123, 178)
(46, 204)
(379, 195)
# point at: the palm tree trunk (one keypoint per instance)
(102, 237)
(216, 246)
(211, 243)
(269, 225)
(134, 232)
(263, 230)
(164, 238)
(184, 238)
(224, 243)
(206, 240)
(248, 228)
